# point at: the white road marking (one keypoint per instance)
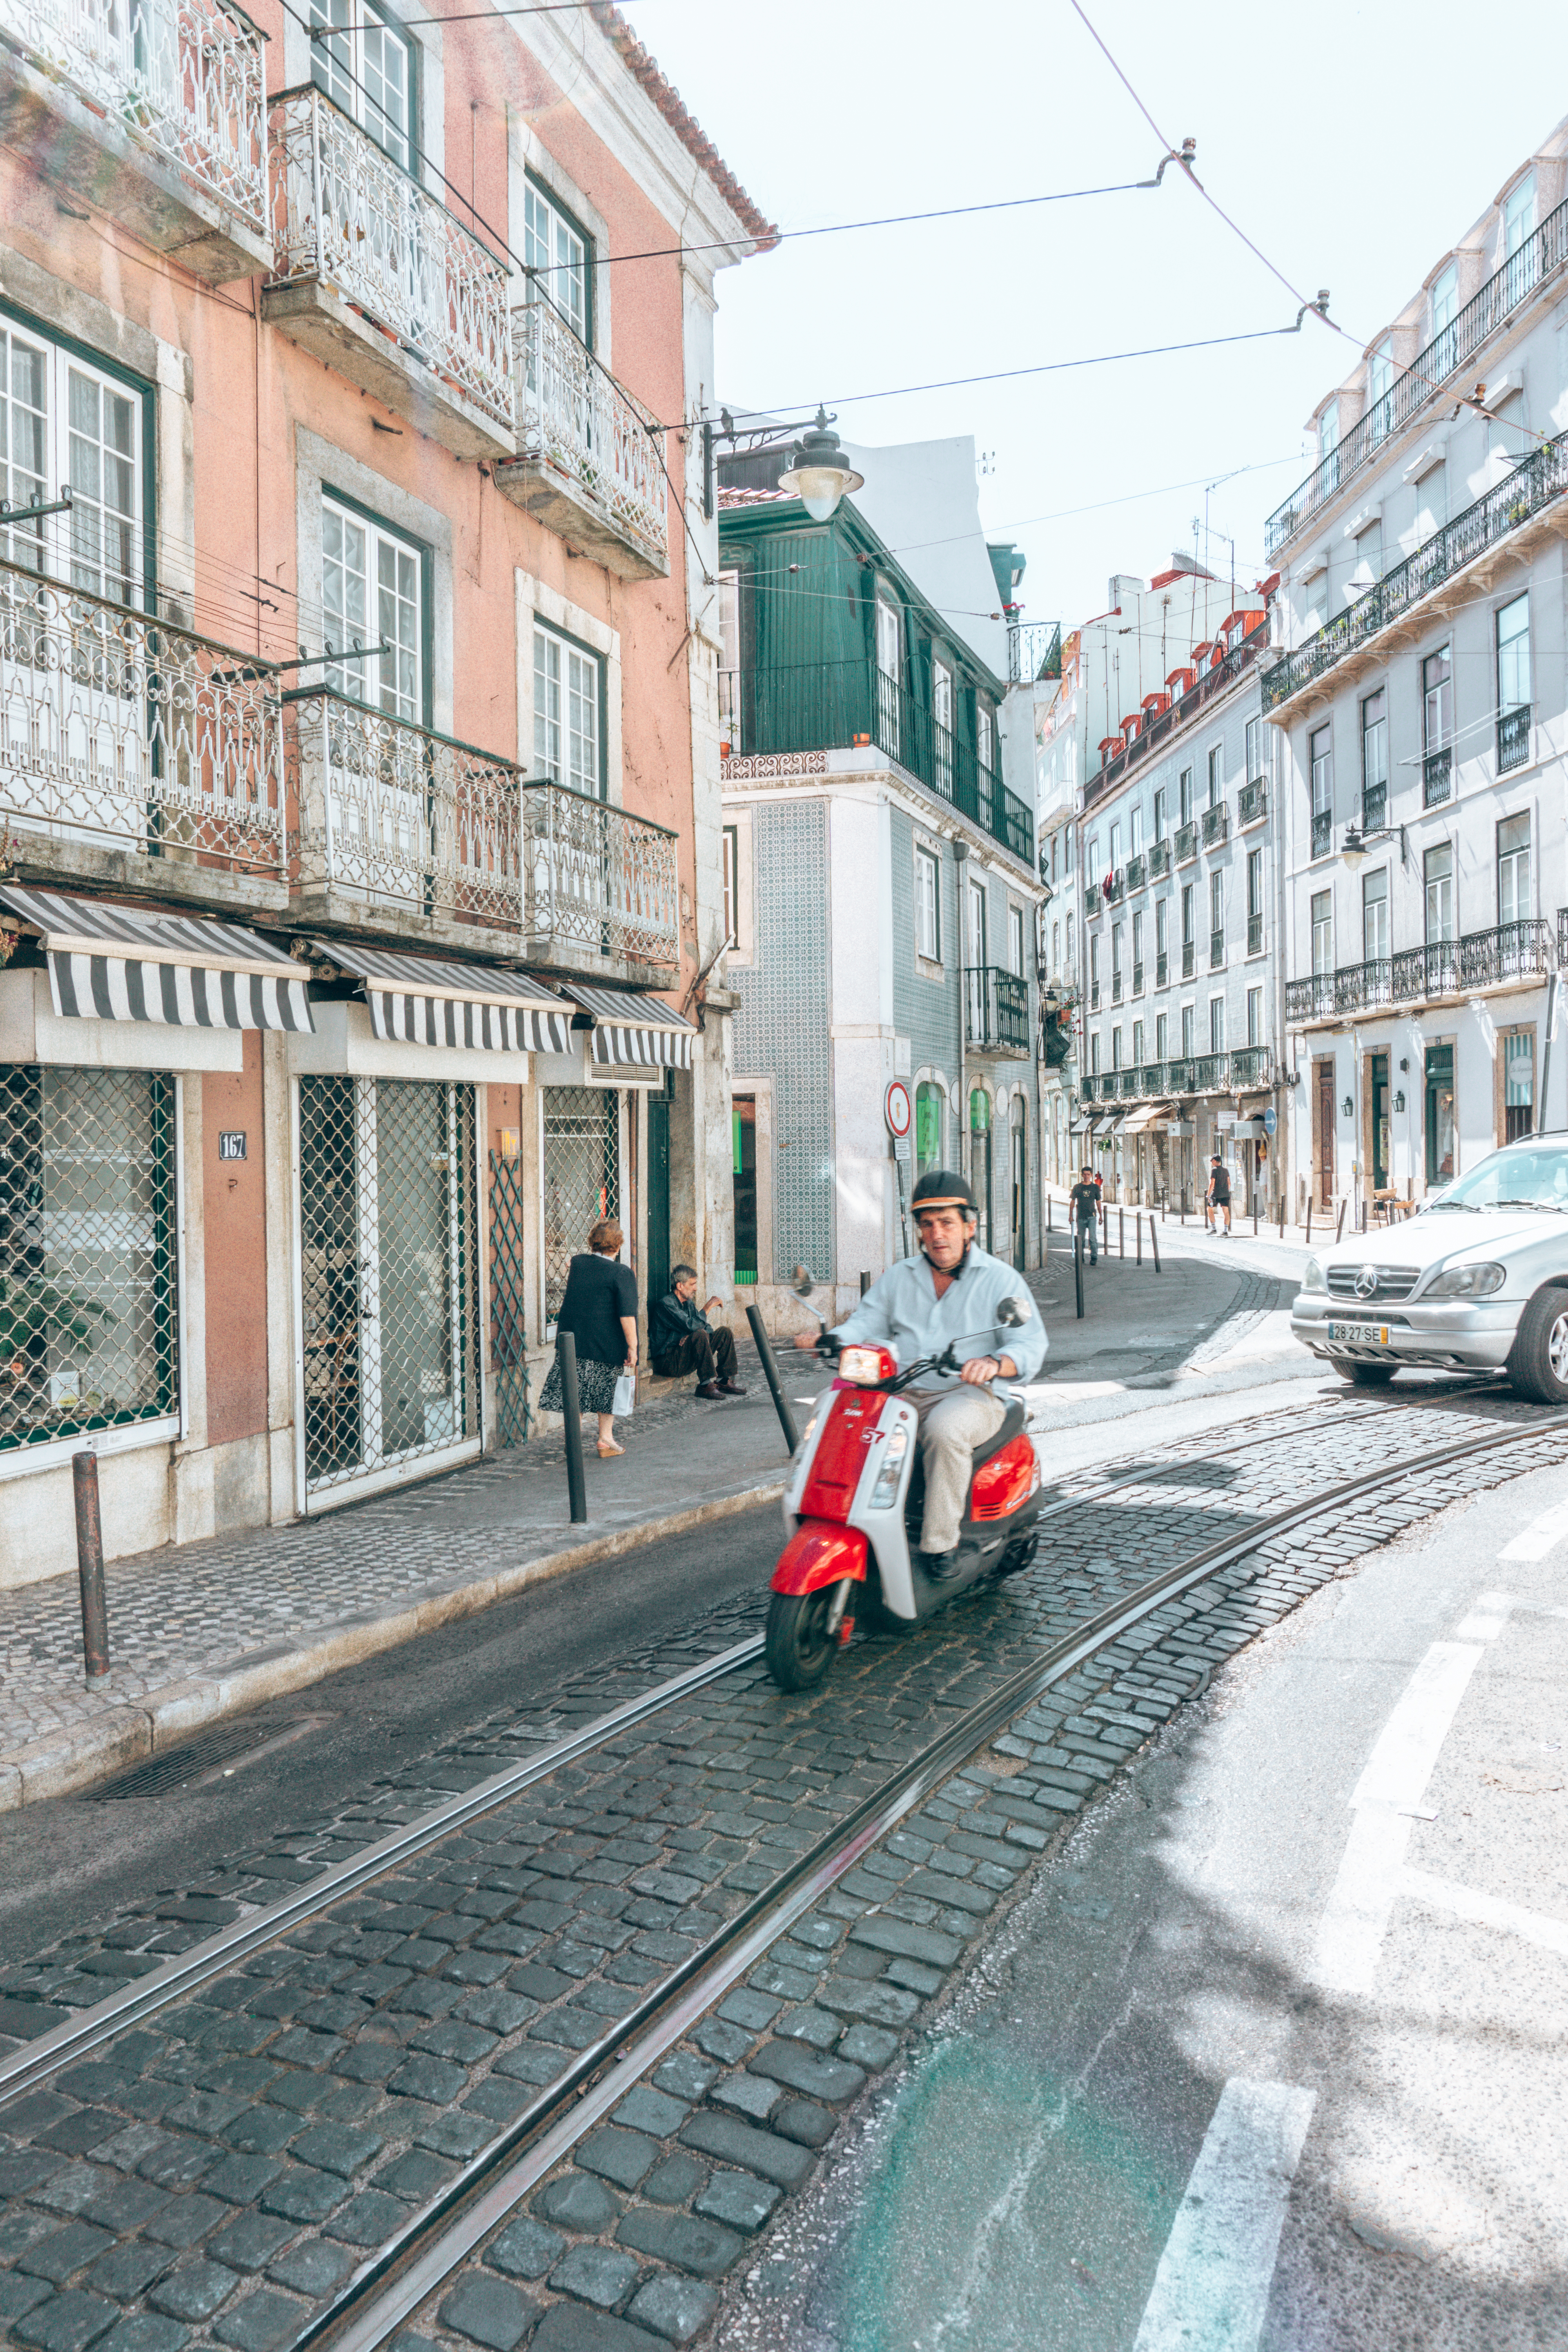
(1537, 1540)
(1355, 1919)
(1211, 2290)
(1486, 1910)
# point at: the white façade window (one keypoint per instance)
(927, 905)
(365, 64)
(63, 419)
(374, 584)
(554, 246)
(568, 689)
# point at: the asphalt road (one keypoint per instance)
(1228, 2076)
(78, 1859)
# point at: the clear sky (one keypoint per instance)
(1353, 144)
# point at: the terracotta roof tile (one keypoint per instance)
(644, 68)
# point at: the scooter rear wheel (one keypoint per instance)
(798, 1648)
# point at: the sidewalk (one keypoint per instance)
(209, 1630)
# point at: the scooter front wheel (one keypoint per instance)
(798, 1648)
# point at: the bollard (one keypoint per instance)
(771, 1374)
(1121, 1233)
(1154, 1237)
(1338, 1229)
(1281, 1216)
(1255, 1216)
(865, 1284)
(1141, 1233)
(89, 1565)
(1308, 1220)
(1078, 1269)
(1047, 1212)
(571, 1410)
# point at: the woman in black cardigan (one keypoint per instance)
(600, 1310)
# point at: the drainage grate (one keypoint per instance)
(203, 1759)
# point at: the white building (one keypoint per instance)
(1420, 707)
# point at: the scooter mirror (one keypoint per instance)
(802, 1285)
(1013, 1314)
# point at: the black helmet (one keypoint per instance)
(940, 1189)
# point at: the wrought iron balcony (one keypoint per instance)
(1426, 972)
(1186, 843)
(119, 732)
(1323, 831)
(412, 832)
(1210, 1073)
(1182, 1076)
(1216, 950)
(1161, 970)
(1536, 260)
(1330, 995)
(1563, 939)
(1436, 777)
(1091, 901)
(823, 706)
(1252, 1065)
(1252, 802)
(1137, 873)
(1189, 959)
(1159, 725)
(1517, 501)
(1088, 1085)
(1373, 808)
(1520, 950)
(588, 454)
(1513, 737)
(1159, 859)
(1115, 886)
(384, 284)
(1255, 935)
(1116, 988)
(1216, 825)
(1137, 980)
(158, 109)
(1094, 993)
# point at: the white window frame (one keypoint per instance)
(396, 683)
(351, 67)
(928, 904)
(564, 750)
(1375, 937)
(1017, 943)
(71, 548)
(563, 256)
(1217, 1024)
(1513, 656)
(1444, 300)
(1321, 919)
(1513, 872)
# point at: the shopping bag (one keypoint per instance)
(626, 1392)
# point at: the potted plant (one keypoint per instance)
(32, 1314)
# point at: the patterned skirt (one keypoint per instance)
(596, 1386)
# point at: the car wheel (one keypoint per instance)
(1365, 1376)
(1538, 1361)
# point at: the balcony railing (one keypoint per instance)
(1182, 1076)
(1115, 887)
(120, 730)
(1164, 723)
(1161, 970)
(819, 706)
(1481, 316)
(1252, 1065)
(1520, 950)
(1216, 950)
(345, 213)
(1210, 1073)
(1216, 825)
(1252, 802)
(1094, 993)
(1137, 980)
(1323, 831)
(1116, 988)
(1186, 843)
(1375, 808)
(1563, 939)
(579, 426)
(1159, 859)
(396, 818)
(1513, 737)
(183, 78)
(1513, 951)
(1255, 935)
(1189, 959)
(1426, 972)
(1436, 777)
(1137, 873)
(1091, 902)
(1328, 995)
(1533, 485)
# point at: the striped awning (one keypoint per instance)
(130, 963)
(643, 1030)
(427, 1001)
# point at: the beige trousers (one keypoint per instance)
(952, 1426)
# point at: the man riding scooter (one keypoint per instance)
(950, 1292)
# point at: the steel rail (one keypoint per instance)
(378, 2298)
(34, 2062)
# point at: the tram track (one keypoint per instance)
(412, 2262)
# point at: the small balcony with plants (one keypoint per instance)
(157, 113)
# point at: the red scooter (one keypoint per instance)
(854, 1503)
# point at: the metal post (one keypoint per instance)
(1141, 1234)
(89, 1565)
(1121, 1233)
(1078, 1268)
(1308, 1217)
(572, 1409)
(1154, 1237)
(1255, 1216)
(771, 1374)
(865, 1284)
(1340, 1227)
(1281, 1216)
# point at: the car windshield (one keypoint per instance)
(1524, 1176)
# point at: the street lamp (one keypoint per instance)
(818, 473)
(1354, 846)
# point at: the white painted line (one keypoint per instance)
(1211, 2290)
(1401, 1762)
(1537, 1540)
(1486, 1910)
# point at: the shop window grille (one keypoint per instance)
(389, 1267)
(508, 1321)
(581, 1178)
(88, 1250)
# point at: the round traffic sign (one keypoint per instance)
(1270, 1119)
(896, 1108)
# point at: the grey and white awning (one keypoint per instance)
(426, 1001)
(639, 1029)
(131, 963)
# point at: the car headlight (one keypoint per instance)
(1467, 1282)
(1312, 1277)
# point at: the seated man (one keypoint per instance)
(949, 1292)
(679, 1339)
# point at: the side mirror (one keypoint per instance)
(1013, 1314)
(803, 1284)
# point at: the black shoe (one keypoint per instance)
(712, 1391)
(730, 1388)
(940, 1566)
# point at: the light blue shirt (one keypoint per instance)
(903, 1312)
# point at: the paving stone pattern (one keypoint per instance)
(213, 2175)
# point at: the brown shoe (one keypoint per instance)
(712, 1391)
(730, 1388)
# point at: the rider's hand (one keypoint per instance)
(979, 1370)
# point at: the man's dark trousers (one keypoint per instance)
(710, 1354)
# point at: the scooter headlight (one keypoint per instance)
(885, 1492)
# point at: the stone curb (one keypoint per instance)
(63, 1761)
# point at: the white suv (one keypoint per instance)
(1475, 1281)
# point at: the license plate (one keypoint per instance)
(1350, 1335)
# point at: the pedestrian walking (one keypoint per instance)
(600, 1310)
(680, 1340)
(1086, 1206)
(1216, 1200)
